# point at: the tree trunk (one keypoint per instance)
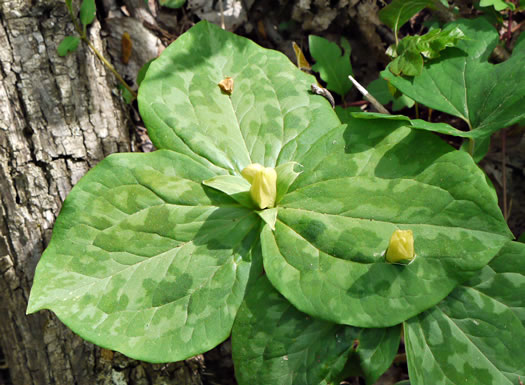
(58, 118)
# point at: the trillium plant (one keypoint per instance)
(312, 242)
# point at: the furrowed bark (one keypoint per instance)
(58, 118)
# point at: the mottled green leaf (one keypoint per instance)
(273, 343)
(270, 118)
(462, 83)
(333, 66)
(376, 350)
(67, 45)
(476, 335)
(380, 90)
(172, 3)
(398, 12)
(358, 186)
(146, 260)
(88, 10)
(504, 279)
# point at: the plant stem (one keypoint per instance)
(75, 22)
(471, 141)
(471, 146)
(83, 36)
(109, 66)
(504, 173)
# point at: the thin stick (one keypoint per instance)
(378, 106)
(222, 15)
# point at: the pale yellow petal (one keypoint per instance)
(401, 247)
(264, 184)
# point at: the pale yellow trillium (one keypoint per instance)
(264, 184)
(401, 247)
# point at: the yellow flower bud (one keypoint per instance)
(264, 184)
(401, 247)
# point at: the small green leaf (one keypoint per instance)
(333, 66)
(476, 335)
(380, 90)
(172, 3)
(142, 72)
(464, 84)
(69, 4)
(408, 54)
(146, 260)
(67, 45)
(398, 12)
(499, 5)
(126, 95)
(409, 63)
(88, 10)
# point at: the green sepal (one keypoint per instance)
(234, 186)
(269, 216)
(287, 173)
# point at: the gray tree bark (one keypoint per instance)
(58, 118)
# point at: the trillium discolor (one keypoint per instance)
(264, 184)
(159, 255)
